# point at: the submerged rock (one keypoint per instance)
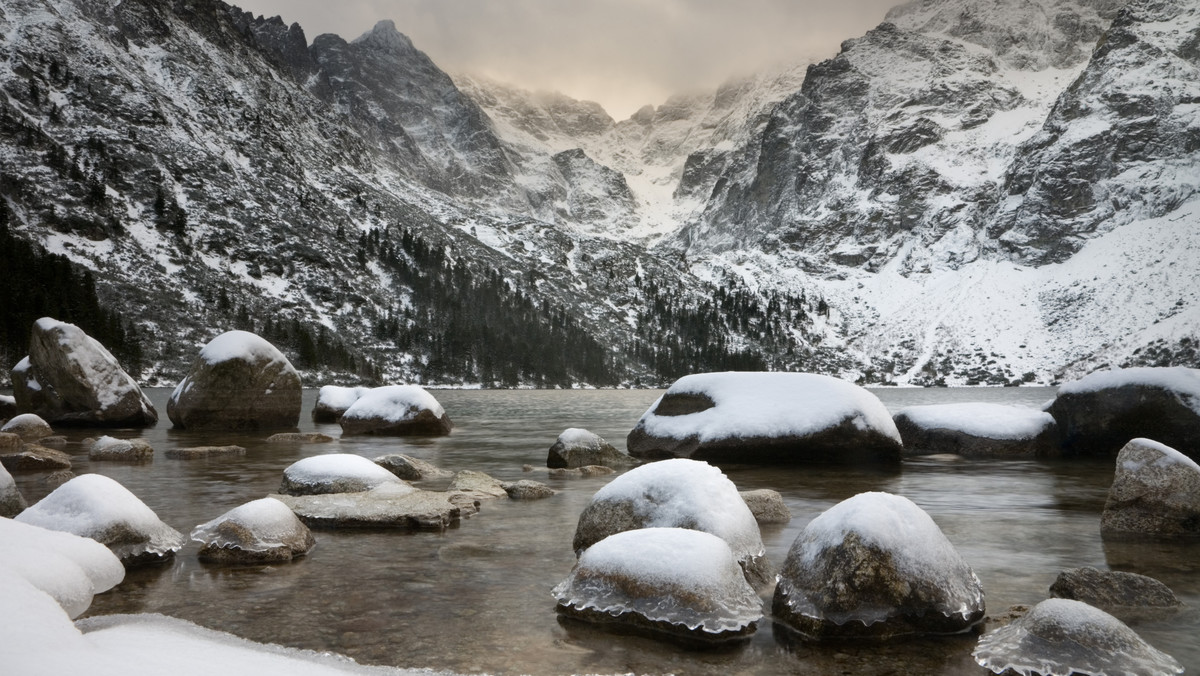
(1122, 594)
(203, 452)
(409, 468)
(478, 484)
(767, 418)
(977, 430)
(28, 426)
(676, 493)
(579, 448)
(1060, 636)
(11, 501)
(97, 507)
(299, 438)
(239, 381)
(334, 473)
(332, 402)
(527, 490)
(396, 410)
(767, 506)
(262, 531)
(390, 505)
(34, 458)
(875, 565)
(579, 472)
(673, 581)
(1155, 492)
(121, 450)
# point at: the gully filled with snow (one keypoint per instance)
(478, 597)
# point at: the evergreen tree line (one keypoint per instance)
(41, 284)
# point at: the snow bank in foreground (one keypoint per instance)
(71, 569)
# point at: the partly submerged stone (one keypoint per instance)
(299, 438)
(11, 501)
(580, 472)
(767, 506)
(875, 565)
(239, 381)
(8, 407)
(676, 493)
(396, 410)
(1125, 595)
(332, 402)
(28, 426)
(334, 473)
(1155, 492)
(1060, 637)
(262, 531)
(97, 507)
(34, 458)
(1100, 413)
(10, 442)
(672, 581)
(977, 430)
(120, 450)
(390, 505)
(579, 448)
(480, 485)
(411, 469)
(81, 381)
(767, 418)
(204, 452)
(527, 490)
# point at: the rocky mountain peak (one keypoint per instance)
(384, 36)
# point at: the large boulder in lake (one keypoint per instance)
(1100, 413)
(676, 493)
(767, 418)
(332, 402)
(239, 381)
(97, 507)
(81, 382)
(11, 501)
(1155, 492)
(875, 565)
(396, 410)
(672, 581)
(579, 448)
(977, 430)
(261, 531)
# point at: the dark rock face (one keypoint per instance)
(580, 448)
(8, 407)
(11, 500)
(1155, 493)
(1115, 592)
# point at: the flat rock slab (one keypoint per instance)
(34, 458)
(381, 508)
(299, 438)
(200, 452)
(580, 472)
(478, 484)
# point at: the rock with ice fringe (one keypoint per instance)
(1155, 492)
(677, 493)
(334, 473)
(767, 418)
(262, 531)
(977, 430)
(97, 507)
(675, 581)
(11, 501)
(332, 402)
(1100, 413)
(81, 382)
(396, 410)
(579, 448)
(875, 565)
(1059, 637)
(239, 381)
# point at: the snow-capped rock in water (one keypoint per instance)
(122, 450)
(767, 417)
(261, 531)
(11, 500)
(81, 381)
(578, 448)
(875, 565)
(409, 468)
(1155, 492)
(977, 430)
(675, 581)
(69, 568)
(239, 381)
(389, 505)
(335, 473)
(98, 507)
(1059, 636)
(1099, 413)
(28, 426)
(1117, 592)
(332, 402)
(396, 410)
(677, 493)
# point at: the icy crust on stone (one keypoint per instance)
(752, 404)
(97, 507)
(674, 575)
(1178, 379)
(259, 526)
(240, 345)
(335, 473)
(69, 568)
(1059, 637)
(393, 403)
(991, 421)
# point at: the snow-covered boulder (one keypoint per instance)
(1123, 594)
(767, 417)
(334, 473)
(526, 489)
(767, 506)
(675, 581)
(676, 493)
(396, 410)
(578, 448)
(1155, 492)
(1060, 636)
(262, 531)
(34, 458)
(411, 469)
(28, 426)
(11, 500)
(332, 402)
(977, 430)
(1100, 413)
(71, 569)
(122, 450)
(8, 407)
(97, 507)
(239, 381)
(81, 381)
(389, 505)
(204, 452)
(876, 565)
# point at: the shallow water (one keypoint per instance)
(477, 597)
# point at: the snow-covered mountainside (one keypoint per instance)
(995, 191)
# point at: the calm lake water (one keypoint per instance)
(477, 597)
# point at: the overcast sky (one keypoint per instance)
(622, 53)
